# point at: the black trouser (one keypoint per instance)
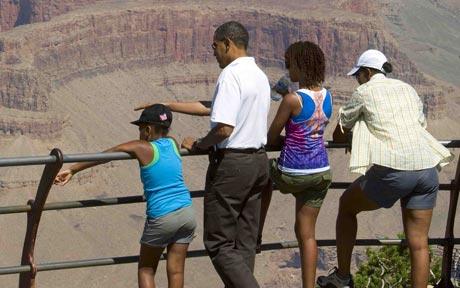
(234, 183)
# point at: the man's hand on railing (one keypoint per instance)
(191, 144)
(188, 143)
(63, 177)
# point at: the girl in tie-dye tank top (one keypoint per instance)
(303, 166)
(303, 151)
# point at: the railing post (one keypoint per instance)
(446, 272)
(27, 279)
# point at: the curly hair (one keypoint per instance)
(310, 60)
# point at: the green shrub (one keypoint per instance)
(389, 266)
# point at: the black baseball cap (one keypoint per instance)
(156, 114)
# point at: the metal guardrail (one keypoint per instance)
(86, 203)
(200, 253)
(53, 163)
(48, 159)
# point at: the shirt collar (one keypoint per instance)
(378, 76)
(242, 60)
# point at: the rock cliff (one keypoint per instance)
(35, 59)
(37, 125)
(19, 12)
(71, 81)
(9, 11)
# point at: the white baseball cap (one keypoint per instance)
(372, 59)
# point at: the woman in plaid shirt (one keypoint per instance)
(398, 160)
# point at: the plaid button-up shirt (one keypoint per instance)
(389, 128)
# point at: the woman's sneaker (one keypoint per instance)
(333, 280)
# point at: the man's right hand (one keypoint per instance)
(187, 143)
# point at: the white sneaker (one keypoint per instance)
(334, 281)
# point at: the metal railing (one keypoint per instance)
(53, 163)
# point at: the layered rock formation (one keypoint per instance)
(37, 126)
(44, 10)
(359, 6)
(35, 60)
(19, 12)
(72, 83)
(14, 13)
(9, 11)
(24, 89)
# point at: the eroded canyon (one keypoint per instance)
(72, 71)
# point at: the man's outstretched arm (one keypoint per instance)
(199, 108)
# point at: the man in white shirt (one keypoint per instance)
(238, 168)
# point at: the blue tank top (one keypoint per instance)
(304, 151)
(164, 187)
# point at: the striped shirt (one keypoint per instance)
(389, 128)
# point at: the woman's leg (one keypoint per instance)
(148, 263)
(416, 227)
(305, 231)
(266, 199)
(175, 264)
(352, 202)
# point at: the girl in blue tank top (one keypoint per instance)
(303, 166)
(170, 218)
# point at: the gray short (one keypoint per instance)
(416, 189)
(176, 227)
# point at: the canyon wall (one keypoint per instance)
(53, 88)
(359, 6)
(35, 60)
(44, 10)
(24, 89)
(9, 11)
(37, 127)
(20, 12)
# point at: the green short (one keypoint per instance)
(307, 189)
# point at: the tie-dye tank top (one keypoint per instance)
(304, 151)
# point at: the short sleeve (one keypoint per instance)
(227, 101)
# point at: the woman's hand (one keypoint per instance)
(339, 136)
(342, 135)
(63, 177)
